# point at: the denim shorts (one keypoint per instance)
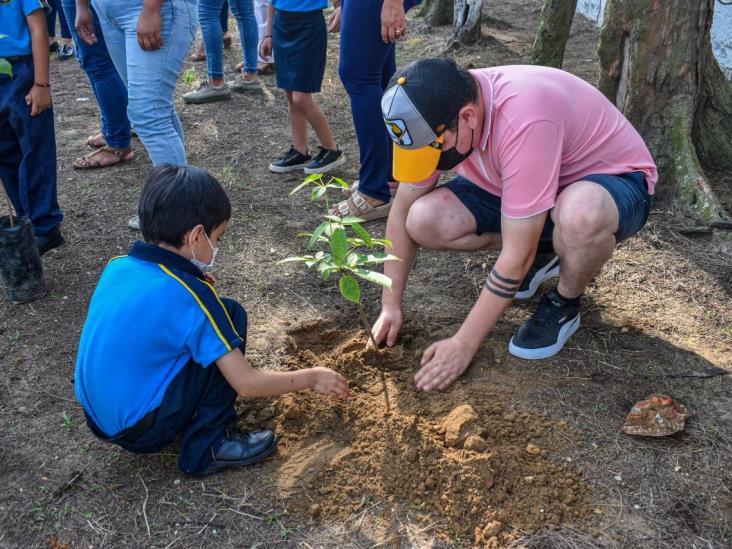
(628, 190)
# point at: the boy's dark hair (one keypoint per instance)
(177, 198)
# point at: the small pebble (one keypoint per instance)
(533, 449)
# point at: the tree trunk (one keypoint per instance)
(437, 12)
(551, 38)
(657, 66)
(466, 24)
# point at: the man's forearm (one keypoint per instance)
(152, 6)
(82, 4)
(405, 249)
(481, 320)
(270, 19)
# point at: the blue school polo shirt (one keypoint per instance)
(13, 24)
(300, 5)
(151, 313)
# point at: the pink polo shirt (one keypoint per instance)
(545, 129)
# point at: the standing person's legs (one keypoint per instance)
(152, 75)
(303, 102)
(366, 64)
(32, 186)
(298, 125)
(109, 89)
(51, 21)
(63, 21)
(243, 11)
(225, 19)
(209, 14)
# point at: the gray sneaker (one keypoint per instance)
(240, 85)
(207, 93)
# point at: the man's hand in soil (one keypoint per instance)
(328, 382)
(149, 26)
(393, 21)
(442, 363)
(387, 326)
(85, 23)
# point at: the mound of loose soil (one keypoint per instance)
(464, 458)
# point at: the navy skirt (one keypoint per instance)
(300, 46)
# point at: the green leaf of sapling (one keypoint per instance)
(339, 245)
(317, 233)
(350, 289)
(363, 234)
(372, 276)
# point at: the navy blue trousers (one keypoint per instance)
(197, 406)
(57, 8)
(28, 151)
(365, 67)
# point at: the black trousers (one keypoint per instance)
(197, 406)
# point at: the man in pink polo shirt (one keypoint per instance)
(549, 172)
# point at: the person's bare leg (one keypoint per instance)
(316, 118)
(585, 220)
(299, 125)
(439, 221)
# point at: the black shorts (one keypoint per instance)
(629, 191)
(300, 43)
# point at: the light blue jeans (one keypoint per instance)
(150, 76)
(209, 13)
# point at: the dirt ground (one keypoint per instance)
(546, 464)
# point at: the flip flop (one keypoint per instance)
(96, 141)
(89, 162)
(358, 205)
(227, 42)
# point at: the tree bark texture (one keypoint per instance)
(551, 38)
(437, 12)
(466, 24)
(657, 66)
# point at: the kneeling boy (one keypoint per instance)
(161, 354)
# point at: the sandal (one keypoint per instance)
(265, 68)
(90, 162)
(238, 67)
(358, 205)
(227, 42)
(353, 188)
(199, 55)
(96, 141)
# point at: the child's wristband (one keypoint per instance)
(48, 85)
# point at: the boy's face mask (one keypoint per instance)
(452, 157)
(205, 267)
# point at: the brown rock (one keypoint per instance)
(474, 443)
(293, 412)
(266, 413)
(460, 424)
(314, 510)
(533, 449)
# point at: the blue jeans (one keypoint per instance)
(110, 91)
(151, 75)
(57, 7)
(27, 151)
(209, 13)
(198, 406)
(365, 67)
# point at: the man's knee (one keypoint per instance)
(420, 223)
(301, 100)
(585, 218)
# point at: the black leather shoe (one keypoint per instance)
(239, 448)
(49, 241)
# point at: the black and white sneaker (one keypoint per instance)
(325, 161)
(548, 329)
(545, 266)
(290, 161)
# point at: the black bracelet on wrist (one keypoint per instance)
(42, 85)
(267, 36)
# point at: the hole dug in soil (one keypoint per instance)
(465, 459)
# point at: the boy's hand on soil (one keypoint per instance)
(85, 26)
(334, 20)
(265, 49)
(39, 100)
(387, 326)
(149, 30)
(442, 363)
(328, 382)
